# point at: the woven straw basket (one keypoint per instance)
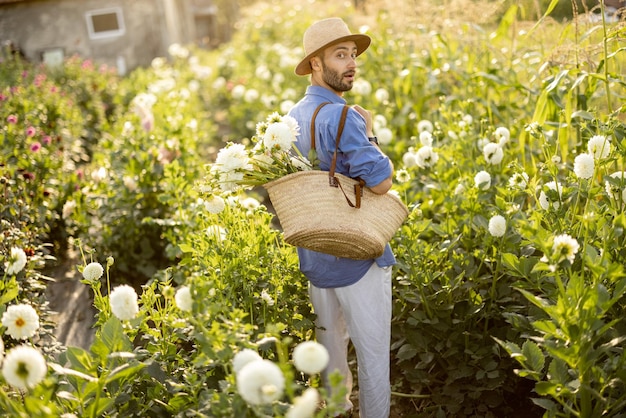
(317, 216)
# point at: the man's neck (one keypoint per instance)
(318, 83)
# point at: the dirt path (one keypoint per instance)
(71, 304)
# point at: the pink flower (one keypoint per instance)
(2, 97)
(30, 131)
(87, 65)
(12, 119)
(46, 140)
(36, 146)
(147, 122)
(39, 79)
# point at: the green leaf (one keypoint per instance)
(312, 157)
(513, 349)
(511, 262)
(96, 409)
(111, 339)
(406, 352)
(551, 7)
(124, 371)
(505, 23)
(546, 327)
(583, 115)
(541, 267)
(539, 302)
(79, 358)
(10, 294)
(70, 372)
(547, 389)
(559, 371)
(535, 359)
(186, 248)
(155, 371)
(546, 404)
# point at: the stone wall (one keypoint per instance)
(38, 27)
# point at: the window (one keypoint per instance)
(105, 23)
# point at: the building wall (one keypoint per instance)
(37, 26)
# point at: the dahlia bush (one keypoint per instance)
(510, 284)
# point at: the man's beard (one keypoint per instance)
(334, 79)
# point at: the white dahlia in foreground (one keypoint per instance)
(24, 367)
(123, 301)
(260, 382)
(310, 357)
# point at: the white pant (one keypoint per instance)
(361, 313)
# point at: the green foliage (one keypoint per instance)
(238, 258)
(43, 147)
(157, 130)
(584, 376)
(485, 323)
(559, 10)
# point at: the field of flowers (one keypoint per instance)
(508, 140)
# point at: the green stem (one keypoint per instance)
(559, 283)
(585, 398)
(606, 57)
(410, 395)
(494, 282)
(108, 305)
(94, 412)
(80, 247)
(580, 224)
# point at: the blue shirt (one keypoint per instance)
(357, 157)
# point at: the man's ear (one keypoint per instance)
(315, 63)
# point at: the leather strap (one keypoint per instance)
(333, 181)
(342, 122)
(317, 110)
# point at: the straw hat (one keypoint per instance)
(324, 33)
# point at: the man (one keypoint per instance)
(351, 298)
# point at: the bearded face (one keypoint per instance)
(338, 81)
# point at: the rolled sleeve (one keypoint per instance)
(358, 157)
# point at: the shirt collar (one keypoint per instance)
(326, 94)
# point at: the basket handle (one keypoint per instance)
(333, 181)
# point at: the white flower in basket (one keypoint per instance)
(273, 155)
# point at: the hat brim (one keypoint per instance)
(362, 43)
